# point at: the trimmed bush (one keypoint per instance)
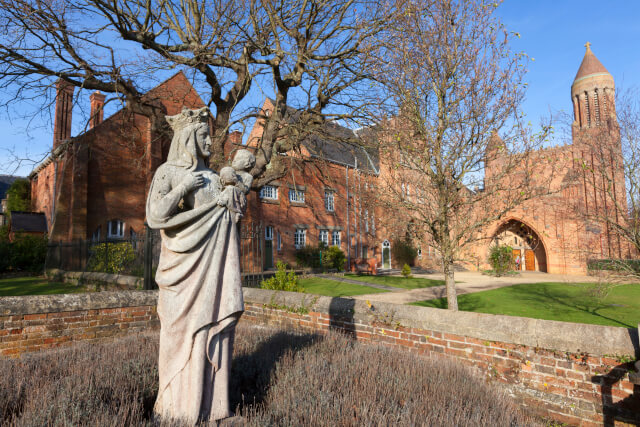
(501, 259)
(111, 258)
(283, 280)
(406, 271)
(403, 252)
(333, 258)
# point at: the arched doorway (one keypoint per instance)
(386, 254)
(525, 242)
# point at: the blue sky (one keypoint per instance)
(551, 32)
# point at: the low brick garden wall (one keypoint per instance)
(574, 373)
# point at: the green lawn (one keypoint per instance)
(332, 288)
(567, 302)
(397, 281)
(36, 286)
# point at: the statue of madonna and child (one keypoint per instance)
(200, 296)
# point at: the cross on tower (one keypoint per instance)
(588, 45)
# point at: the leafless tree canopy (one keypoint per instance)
(309, 55)
(453, 86)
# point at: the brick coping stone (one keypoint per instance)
(537, 333)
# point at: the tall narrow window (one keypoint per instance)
(335, 238)
(278, 242)
(329, 200)
(95, 237)
(268, 232)
(300, 238)
(324, 237)
(596, 107)
(587, 110)
(366, 220)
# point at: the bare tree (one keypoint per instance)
(455, 156)
(309, 55)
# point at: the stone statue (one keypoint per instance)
(200, 297)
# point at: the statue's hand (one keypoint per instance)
(193, 181)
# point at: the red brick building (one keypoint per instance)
(94, 185)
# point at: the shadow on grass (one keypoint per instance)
(251, 373)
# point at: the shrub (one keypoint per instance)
(333, 257)
(403, 252)
(25, 253)
(283, 280)
(501, 259)
(406, 271)
(111, 258)
(309, 256)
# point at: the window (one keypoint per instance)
(373, 225)
(268, 232)
(324, 237)
(115, 229)
(328, 201)
(419, 253)
(335, 238)
(95, 237)
(278, 242)
(296, 196)
(269, 192)
(365, 252)
(300, 238)
(366, 220)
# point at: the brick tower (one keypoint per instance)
(597, 149)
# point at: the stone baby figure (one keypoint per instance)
(242, 163)
(228, 180)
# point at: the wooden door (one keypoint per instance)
(516, 254)
(530, 260)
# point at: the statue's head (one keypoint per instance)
(190, 137)
(243, 160)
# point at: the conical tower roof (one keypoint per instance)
(590, 65)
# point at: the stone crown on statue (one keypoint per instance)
(188, 117)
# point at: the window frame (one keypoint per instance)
(329, 200)
(296, 196)
(335, 241)
(300, 238)
(272, 189)
(323, 236)
(119, 233)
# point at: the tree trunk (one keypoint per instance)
(452, 298)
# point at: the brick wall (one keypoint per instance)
(35, 323)
(575, 373)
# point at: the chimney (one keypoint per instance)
(64, 106)
(97, 109)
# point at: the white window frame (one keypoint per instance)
(329, 200)
(335, 238)
(278, 241)
(296, 196)
(268, 232)
(95, 237)
(324, 237)
(300, 238)
(269, 192)
(119, 232)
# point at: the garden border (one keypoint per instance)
(574, 373)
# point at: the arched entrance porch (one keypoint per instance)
(525, 242)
